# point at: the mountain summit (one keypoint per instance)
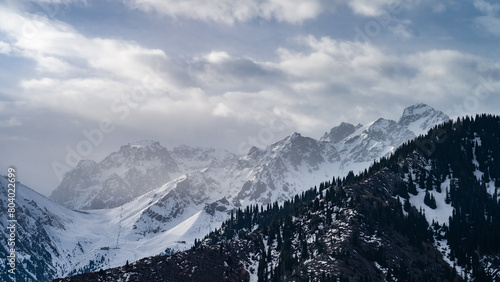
(123, 175)
(420, 118)
(360, 145)
(340, 132)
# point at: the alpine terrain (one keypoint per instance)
(145, 200)
(428, 212)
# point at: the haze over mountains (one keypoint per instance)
(145, 200)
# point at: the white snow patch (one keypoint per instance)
(442, 212)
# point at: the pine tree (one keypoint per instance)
(429, 200)
(429, 184)
(402, 190)
(421, 179)
(412, 189)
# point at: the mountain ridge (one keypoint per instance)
(344, 148)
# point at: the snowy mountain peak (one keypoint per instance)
(420, 118)
(292, 142)
(382, 125)
(144, 144)
(289, 142)
(418, 110)
(340, 132)
(86, 164)
(254, 151)
(123, 175)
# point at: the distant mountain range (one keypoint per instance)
(263, 175)
(145, 200)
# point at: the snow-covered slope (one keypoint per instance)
(53, 241)
(47, 235)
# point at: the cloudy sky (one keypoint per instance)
(80, 78)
